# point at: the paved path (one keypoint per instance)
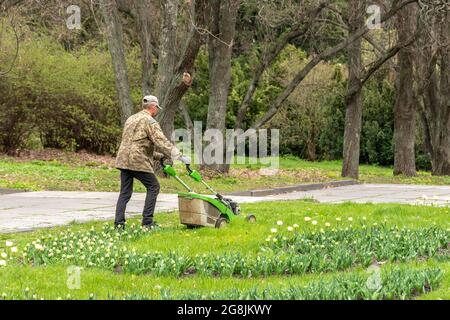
(31, 210)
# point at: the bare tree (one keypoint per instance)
(114, 35)
(433, 77)
(5, 6)
(179, 77)
(273, 51)
(357, 78)
(278, 102)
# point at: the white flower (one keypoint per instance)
(9, 243)
(4, 255)
(290, 228)
(350, 219)
(327, 224)
(314, 222)
(307, 219)
(14, 249)
(2, 263)
(338, 219)
(296, 225)
(39, 247)
(279, 222)
(273, 230)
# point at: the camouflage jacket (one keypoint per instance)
(142, 135)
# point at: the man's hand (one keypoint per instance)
(187, 79)
(185, 160)
(166, 161)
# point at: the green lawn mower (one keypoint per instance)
(198, 210)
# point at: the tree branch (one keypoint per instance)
(317, 59)
(270, 56)
(16, 55)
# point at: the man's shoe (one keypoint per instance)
(151, 226)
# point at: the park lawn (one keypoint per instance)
(49, 281)
(57, 175)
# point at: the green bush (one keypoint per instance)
(66, 99)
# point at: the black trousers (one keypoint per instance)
(126, 190)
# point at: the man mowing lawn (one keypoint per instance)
(142, 135)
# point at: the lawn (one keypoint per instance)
(319, 251)
(71, 174)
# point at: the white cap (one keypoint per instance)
(151, 99)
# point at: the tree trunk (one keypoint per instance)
(220, 44)
(143, 12)
(434, 88)
(443, 162)
(187, 118)
(405, 105)
(167, 49)
(175, 88)
(223, 25)
(311, 144)
(353, 117)
(114, 36)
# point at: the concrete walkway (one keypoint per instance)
(30, 210)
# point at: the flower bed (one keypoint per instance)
(283, 253)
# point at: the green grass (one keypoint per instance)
(50, 281)
(91, 176)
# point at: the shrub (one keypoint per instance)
(66, 98)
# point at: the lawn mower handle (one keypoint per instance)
(226, 201)
(194, 174)
(170, 171)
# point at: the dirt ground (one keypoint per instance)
(78, 158)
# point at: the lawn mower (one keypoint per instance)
(198, 210)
